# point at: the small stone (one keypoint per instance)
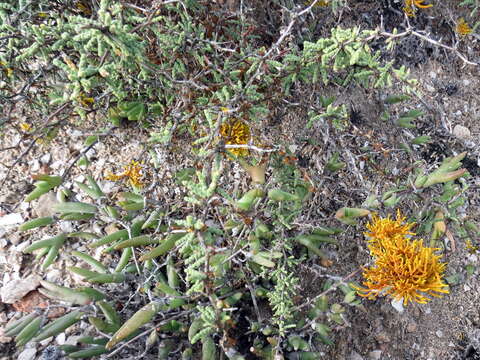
(45, 159)
(66, 226)
(472, 258)
(72, 340)
(11, 219)
(355, 356)
(46, 341)
(60, 339)
(28, 354)
(111, 228)
(411, 327)
(382, 337)
(80, 178)
(439, 333)
(54, 275)
(375, 355)
(14, 238)
(466, 82)
(461, 132)
(35, 166)
(398, 305)
(51, 353)
(430, 88)
(45, 205)
(433, 74)
(16, 289)
(466, 287)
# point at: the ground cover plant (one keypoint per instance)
(277, 143)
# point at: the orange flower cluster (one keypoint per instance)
(463, 28)
(410, 6)
(236, 132)
(404, 268)
(131, 171)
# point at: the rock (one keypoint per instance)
(66, 226)
(60, 339)
(461, 132)
(375, 355)
(355, 356)
(45, 159)
(382, 337)
(45, 204)
(16, 289)
(35, 166)
(51, 353)
(398, 305)
(110, 229)
(14, 238)
(28, 354)
(411, 327)
(11, 219)
(54, 275)
(439, 333)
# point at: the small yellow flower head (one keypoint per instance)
(381, 229)
(411, 5)
(403, 268)
(85, 100)
(236, 132)
(472, 249)
(319, 3)
(7, 70)
(26, 127)
(463, 28)
(132, 171)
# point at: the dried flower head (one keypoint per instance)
(403, 268)
(236, 132)
(462, 27)
(132, 171)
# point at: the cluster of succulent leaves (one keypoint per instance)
(212, 263)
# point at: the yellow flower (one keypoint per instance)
(8, 71)
(403, 268)
(472, 249)
(319, 3)
(26, 127)
(463, 28)
(410, 5)
(236, 132)
(381, 229)
(85, 100)
(131, 171)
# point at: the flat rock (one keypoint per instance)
(355, 356)
(11, 219)
(28, 354)
(45, 204)
(461, 132)
(16, 289)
